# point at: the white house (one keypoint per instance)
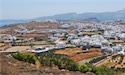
(9, 37)
(65, 26)
(60, 45)
(122, 51)
(122, 36)
(52, 38)
(75, 42)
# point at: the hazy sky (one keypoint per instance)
(26, 9)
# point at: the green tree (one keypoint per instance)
(84, 68)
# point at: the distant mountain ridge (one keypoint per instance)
(104, 16)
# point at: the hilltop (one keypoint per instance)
(103, 16)
(89, 16)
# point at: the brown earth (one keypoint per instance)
(11, 66)
(69, 51)
(10, 29)
(78, 54)
(83, 56)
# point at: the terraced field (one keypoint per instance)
(69, 51)
(78, 54)
(83, 56)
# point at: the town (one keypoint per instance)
(98, 43)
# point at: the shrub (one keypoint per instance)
(103, 70)
(62, 61)
(97, 59)
(84, 68)
(24, 57)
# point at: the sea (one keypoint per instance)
(8, 23)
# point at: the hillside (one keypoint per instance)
(89, 16)
(104, 16)
(11, 66)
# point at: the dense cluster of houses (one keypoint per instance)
(104, 40)
(109, 37)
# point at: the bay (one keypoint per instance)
(8, 23)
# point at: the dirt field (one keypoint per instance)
(69, 51)
(113, 63)
(122, 64)
(78, 54)
(83, 56)
(20, 48)
(95, 49)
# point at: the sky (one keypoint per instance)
(28, 9)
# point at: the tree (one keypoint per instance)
(84, 68)
(25, 57)
(103, 70)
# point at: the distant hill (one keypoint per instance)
(104, 16)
